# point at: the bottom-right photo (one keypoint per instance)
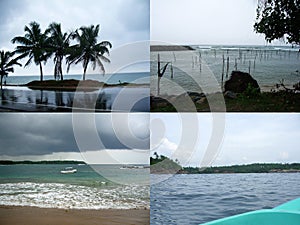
(220, 169)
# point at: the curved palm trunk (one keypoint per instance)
(84, 70)
(61, 74)
(1, 81)
(58, 68)
(41, 71)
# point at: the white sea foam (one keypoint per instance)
(55, 195)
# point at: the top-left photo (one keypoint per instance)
(74, 56)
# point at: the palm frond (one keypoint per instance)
(104, 58)
(100, 64)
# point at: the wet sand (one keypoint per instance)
(17, 215)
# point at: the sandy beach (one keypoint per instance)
(17, 215)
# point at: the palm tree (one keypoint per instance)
(6, 64)
(58, 45)
(88, 50)
(33, 44)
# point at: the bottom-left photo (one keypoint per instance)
(74, 169)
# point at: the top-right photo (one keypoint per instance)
(225, 56)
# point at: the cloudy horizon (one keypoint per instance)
(122, 23)
(248, 138)
(32, 136)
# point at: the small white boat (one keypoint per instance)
(68, 170)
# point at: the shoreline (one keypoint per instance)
(17, 215)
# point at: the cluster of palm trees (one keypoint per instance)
(40, 46)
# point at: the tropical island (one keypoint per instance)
(75, 47)
(40, 46)
(160, 164)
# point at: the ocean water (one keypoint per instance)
(199, 198)
(44, 186)
(108, 99)
(138, 77)
(201, 70)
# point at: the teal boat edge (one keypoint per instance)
(285, 214)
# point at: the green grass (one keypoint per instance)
(264, 102)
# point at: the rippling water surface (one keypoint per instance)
(198, 198)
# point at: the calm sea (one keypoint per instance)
(44, 186)
(134, 99)
(198, 198)
(268, 65)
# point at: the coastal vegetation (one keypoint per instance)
(58, 45)
(32, 45)
(276, 101)
(88, 50)
(39, 47)
(279, 19)
(163, 165)
(7, 64)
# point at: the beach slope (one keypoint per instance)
(17, 215)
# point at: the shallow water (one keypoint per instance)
(201, 70)
(199, 198)
(24, 99)
(44, 186)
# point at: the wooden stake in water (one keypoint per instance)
(235, 64)
(172, 72)
(249, 66)
(227, 68)
(200, 61)
(193, 62)
(174, 56)
(200, 65)
(199, 57)
(158, 73)
(223, 65)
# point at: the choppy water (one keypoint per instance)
(44, 186)
(198, 198)
(268, 65)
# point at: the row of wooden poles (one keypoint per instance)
(197, 61)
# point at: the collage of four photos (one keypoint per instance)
(158, 112)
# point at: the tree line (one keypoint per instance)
(164, 164)
(39, 47)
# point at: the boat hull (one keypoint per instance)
(285, 214)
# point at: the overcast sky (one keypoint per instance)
(248, 138)
(50, 136)
(203, 22)
(121, 22)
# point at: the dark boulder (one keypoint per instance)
(240, 81)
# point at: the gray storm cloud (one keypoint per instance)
(40, 134)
